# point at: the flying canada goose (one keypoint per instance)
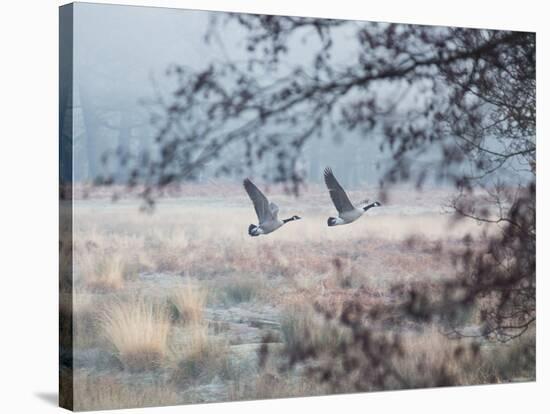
(267, 212)
(347, 212)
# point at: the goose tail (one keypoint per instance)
(331, 221)
(253, 230)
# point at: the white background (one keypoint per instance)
(28, 204)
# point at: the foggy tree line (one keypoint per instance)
(121, 102)
(108, 136)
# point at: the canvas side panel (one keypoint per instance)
(66, 18)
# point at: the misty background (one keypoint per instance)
(121, 58)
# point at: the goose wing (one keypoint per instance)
(260, 201)
(337, 193)
(274, 208)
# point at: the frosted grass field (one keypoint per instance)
(191, 268)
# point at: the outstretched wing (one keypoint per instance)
(274, 208)
(337, 193)
(260, 201)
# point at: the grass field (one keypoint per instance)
(172, 307)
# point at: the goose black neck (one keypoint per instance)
(289, 219)
(369, 206)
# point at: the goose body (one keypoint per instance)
(347, 212)
(267, 212)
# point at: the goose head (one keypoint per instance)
(371, 205)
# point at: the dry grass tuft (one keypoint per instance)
(429, 354)
(240, 289)
(199, 357)
(268, 385)
(432, 359)
(138, 332)
(188, 303)
(303, 327)
(105, 392)
(102, 272)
